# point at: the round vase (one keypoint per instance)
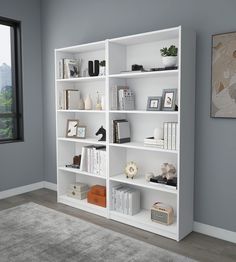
(169, 61)
(158, 133)
(88, 103)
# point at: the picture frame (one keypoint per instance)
(223, 67)
(81, 132)
(71, 128)
(169, 99)
(154, 103)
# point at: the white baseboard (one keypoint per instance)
(50, 185)
(20, 190)
(216, 232)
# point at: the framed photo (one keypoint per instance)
(223, 80)
(71, 130)
(169, 99)
(154, 103)
(81, 132)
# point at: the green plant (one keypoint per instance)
(102, 63)
(171, 51)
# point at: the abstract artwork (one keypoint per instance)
(223, 75)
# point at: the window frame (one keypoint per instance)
(16, 60)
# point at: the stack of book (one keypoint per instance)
(69, 68)
(71, 99)
(93, 160)
(121, 131)
(122, 98)
(170, 135)
(125, 200)
(151, 141)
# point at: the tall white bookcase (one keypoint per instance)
(120, 54)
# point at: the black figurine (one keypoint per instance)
(93, 68)
(101, 131)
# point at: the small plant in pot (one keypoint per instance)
(169, 56)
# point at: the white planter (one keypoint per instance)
(169, 61)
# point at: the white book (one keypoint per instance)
(134, 202)
(72, 99)
(169, 143)
(165, 130)
(114, 188)
(83, 164)
(177, 140)
(122, 191)
(173, 140)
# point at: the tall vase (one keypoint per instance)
(81, 104)
(88, 103)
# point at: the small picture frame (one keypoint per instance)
(81, 132)
(169, 99)
(154, 103)
(71, 129)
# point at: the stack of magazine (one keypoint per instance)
(125, 200)
(93, 160)
(121, 131)
(151, 141)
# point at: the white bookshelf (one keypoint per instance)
(120, 54)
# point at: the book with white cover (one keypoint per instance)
(165, 135)
(169, 142)
(134, 202)
(114, 202)
(173, 141)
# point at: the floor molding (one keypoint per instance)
(197, 227)
(21, 190)
(216, 232)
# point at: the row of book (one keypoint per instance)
(69, 68)
(123, 98)
(93, 160)
(121, 131)
(170, 135)
(70, 99)
(125, 200)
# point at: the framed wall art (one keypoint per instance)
(223, 76)
(154, 103)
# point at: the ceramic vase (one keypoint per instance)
(103, 102)
(169, 61)
(88, 103)
(158, 133)
(81, 104)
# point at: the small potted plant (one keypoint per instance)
(102, 68)
(169, 56)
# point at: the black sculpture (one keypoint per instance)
(101, 131)
(93, 70)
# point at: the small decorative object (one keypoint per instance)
(71, 130)
(162, 213)
(103, 102)
(148, 176)
(169, 56)
(169, 99)
(168, 171)
(81, 104)
(223, 83)
(85, 72)
(77, 160)
(131, 170)
(154, 103)
(102, 68)
(78, 190)
(97, 195)
(81, 132)
(101, 131)
(93, 68)
(136, 67)
(126, 99)
(88, 104)
(98, 103)
(158, 133)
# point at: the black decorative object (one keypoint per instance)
(101, 131)
(93, 68)
(136, 67)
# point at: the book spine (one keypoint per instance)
(177, 137)
(173, 141)
(82, 165)
(165, 136)
(169, 135)
(114, 98)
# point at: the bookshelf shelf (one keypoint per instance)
(120, 54)
(141, 146)
(78, 171)
(165, 73)
(83, 141)
(141, 182)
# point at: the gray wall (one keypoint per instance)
(74, 22)
(22, 163)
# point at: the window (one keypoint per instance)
(11, 118)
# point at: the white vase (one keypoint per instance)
(88, 103)
(169, 61)
(81, 104)
(103, 102)
(158, 133)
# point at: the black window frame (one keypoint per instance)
(16, 62)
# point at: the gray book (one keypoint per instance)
(123, 132)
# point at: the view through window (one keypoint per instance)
(10, 82)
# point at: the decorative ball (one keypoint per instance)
(131, 170)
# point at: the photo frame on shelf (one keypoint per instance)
(81, 132)
(169, 99)
(154, 103)
(71, 129)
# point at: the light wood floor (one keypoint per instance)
(196, 246)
